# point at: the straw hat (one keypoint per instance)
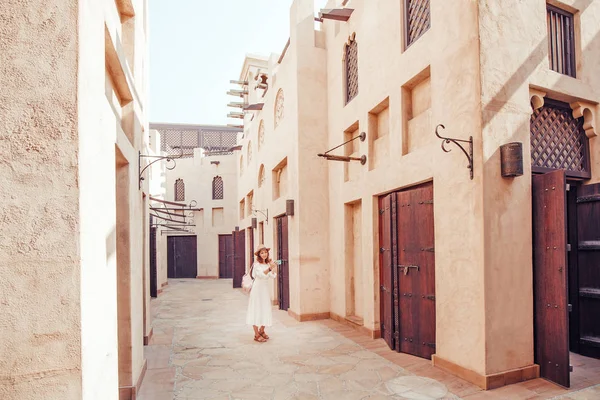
(261, 247)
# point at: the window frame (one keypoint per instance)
(407, 42)
(568, 43)
(217, 179)
(351, 40)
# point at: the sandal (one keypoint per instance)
(263, 334)
(259, 338)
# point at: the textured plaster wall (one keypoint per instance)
(198, 174)
(312, 201)
(40, 245)
(387, 70)
(101, 138)
(511, 63)
(299, 136)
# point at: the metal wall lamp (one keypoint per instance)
(266, 215)
(169, 159)
(446, 140)
(362, 159)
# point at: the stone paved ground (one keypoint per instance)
(201, 349)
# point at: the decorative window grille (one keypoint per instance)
(417, 19)
(179, 190)
(561, 42)
(176, 140)
(217, 187)
(261, 134)
(249, 152)
(261, 175)
(351, 68)
(279, 109)
(558, 141)
(241, 165)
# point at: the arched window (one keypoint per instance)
(241, 165)
(351, 68)
(261, 134)
(249, 152)
(279, 109)
(179, 190)
(261, 175)
(217, 188)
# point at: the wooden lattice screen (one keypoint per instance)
(558, 141)
(351, 69)
(417, 19)
(179, 190)
(561, 42)
(180, 141)
(217, 188)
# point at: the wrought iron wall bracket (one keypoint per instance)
(446, 140)
(169, 159)
(362, 159)
(254, 211)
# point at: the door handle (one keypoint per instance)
(407, 267)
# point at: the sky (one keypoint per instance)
(198, 46)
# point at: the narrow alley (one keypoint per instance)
(201, 349)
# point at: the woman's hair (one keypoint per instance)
(259, 258)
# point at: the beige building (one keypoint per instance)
(474, 256)
(193, 208)
(75, 299)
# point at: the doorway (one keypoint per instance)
(251, 247)
(225, 256)
(153, 271)
(182, 260)
(407, 270)
(283, 282)
(566, 253)
(239, 257)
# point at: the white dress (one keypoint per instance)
(260, 311)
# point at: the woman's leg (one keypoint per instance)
(257, 336)
(262, 332)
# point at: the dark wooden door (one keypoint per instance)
(588, 269)
(251, 256)
(182, 257)
(416, 271)
(153, 272)
(550, 276)
(239, 258)
(386, 300)
(225, 256)
(284, 266)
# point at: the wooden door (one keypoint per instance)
(386, 301)
(416, 271)
(588, 269)
(225, 256)
(251, 256)
(182, 257)
(239, 257)
(284, 266)
(550, 276)
(153, 271)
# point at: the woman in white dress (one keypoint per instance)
(260, 311)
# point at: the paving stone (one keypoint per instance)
(336, 369)
(212, 354)
(331, 384)
(417, 388)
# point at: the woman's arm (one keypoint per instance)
(271, 267)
